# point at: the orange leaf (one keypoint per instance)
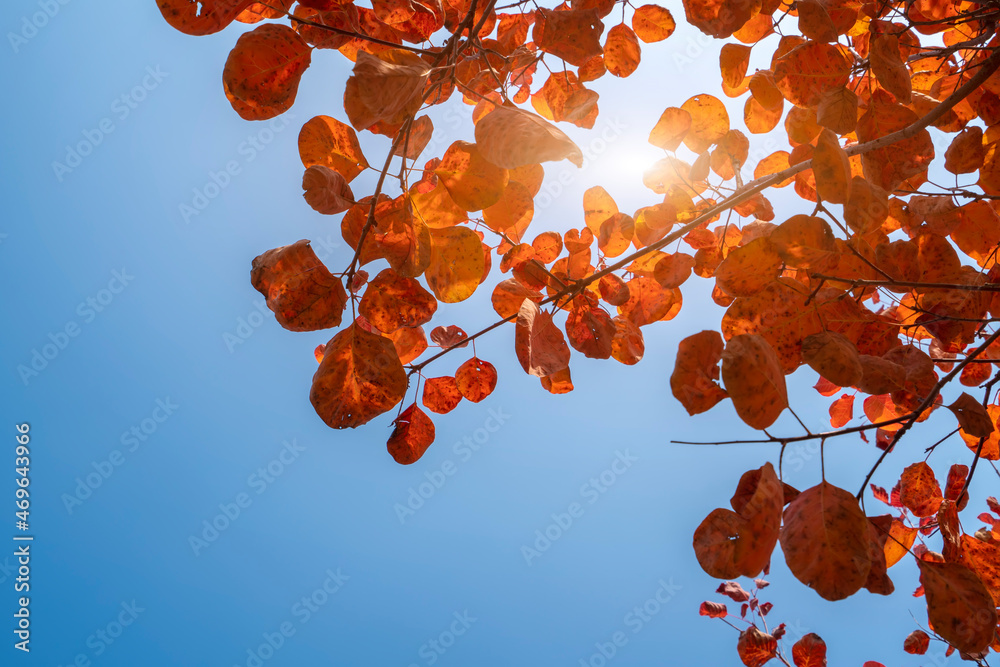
(815, 22)
(807, 72)
(755, 647)
(810, 651)
(328, 142)
(359, 378)
(326, 191)
(991, 446)
(598, 206)
(983, 558)
(434, 206)
(591, 331)
(456, 263)
(615, 234)
(628, 346)
(739, 542)
(559, 382)
(473, 182)
(709, 122)
(838, 110)
(748, 269)
(712, 610)
(889, 166)
(733, 61)
(510, 137)
(476, 379)
(388, 87)
(202, 17)
(916, 643)
(653, 23)
(919, 490)
(966, 153)
(803, 241)
(413, 434)
(972, 416)
(538, 342)
(419, 134)
(410, 343)
(888, 66)
(833, 356)
(393, 301)
(613, 290)
(842, 411)
(441, 395)
(621, 51)
(547, 247)
(695, 380)
(262, 73)
(959, 607)
(648, 301)
(878, 581)
(831, 169)
(901, 538)
(573, 35)
(670, 130)
(450, 336)
(754, 380)
(825, 540)
(301, 291)
(508, 296)
(719, 18)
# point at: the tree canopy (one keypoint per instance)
(884, 282)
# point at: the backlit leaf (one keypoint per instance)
(456, 263)
(476, 379)
(825, 541)
(754, 380)
(262, 73)
(359, 378)
(959, 607)
(509, 137)
(473, 182)
(413, 434)
(301, 291)
(695, 380)
(393, 301)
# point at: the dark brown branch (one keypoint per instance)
(857, 282)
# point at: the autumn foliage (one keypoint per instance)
(884, 282)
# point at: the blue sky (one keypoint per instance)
(147, 427)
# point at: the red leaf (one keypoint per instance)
(810, 651)
(734, 591)
(413, 434)
(713, 609)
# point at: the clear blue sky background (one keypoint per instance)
(332, 507)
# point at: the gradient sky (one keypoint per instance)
(101, 249)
